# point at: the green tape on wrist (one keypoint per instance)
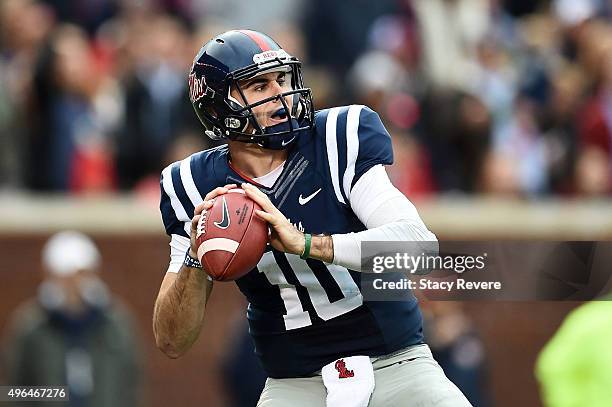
(307, 243)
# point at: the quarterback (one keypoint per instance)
(319, 177)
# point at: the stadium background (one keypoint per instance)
(500, 113)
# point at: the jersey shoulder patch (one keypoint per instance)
(355, 141)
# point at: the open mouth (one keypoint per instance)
(279, 116)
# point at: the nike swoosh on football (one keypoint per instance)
(225, 221)
(304, 200)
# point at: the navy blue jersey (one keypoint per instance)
(304, 314)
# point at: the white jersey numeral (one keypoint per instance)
(296, 317)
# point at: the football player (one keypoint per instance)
(320, 179)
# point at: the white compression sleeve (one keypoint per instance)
(178, 248)
(385, 211)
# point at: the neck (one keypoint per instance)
(253, 160)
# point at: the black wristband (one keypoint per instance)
(191, 262)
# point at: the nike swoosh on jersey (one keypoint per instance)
(225, 221)
(283, 143)
(304, 200)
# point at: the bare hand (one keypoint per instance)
(283, 235)
(204, 206)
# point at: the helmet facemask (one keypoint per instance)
(247, 123)
(229, 117)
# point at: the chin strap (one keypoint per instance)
(281, 141)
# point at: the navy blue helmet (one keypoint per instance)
(237, 56)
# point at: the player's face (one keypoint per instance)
(262, 87)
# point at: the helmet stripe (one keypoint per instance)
(258, 38)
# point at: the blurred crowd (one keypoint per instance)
(497, 97)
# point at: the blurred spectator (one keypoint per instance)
(521, 141)
(337, 30)
(157, 107)
(494, 83)
(450, 32)
(455, 128)
(593, 173)
(411, 169)
(74, 333)
(499, 176)
(24, 24)
(76, 109)
(559, 126)
(596, 129)
(457, 348)
(375, 89)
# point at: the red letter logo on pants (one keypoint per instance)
(341, 368)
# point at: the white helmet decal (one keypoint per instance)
(270, 55)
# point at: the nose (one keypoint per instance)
(277, 89)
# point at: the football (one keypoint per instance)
(230, 238)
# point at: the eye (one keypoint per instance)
(259, 88)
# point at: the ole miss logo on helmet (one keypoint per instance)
(197, 87)
(341, 368)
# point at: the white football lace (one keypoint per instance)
(201, 223)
